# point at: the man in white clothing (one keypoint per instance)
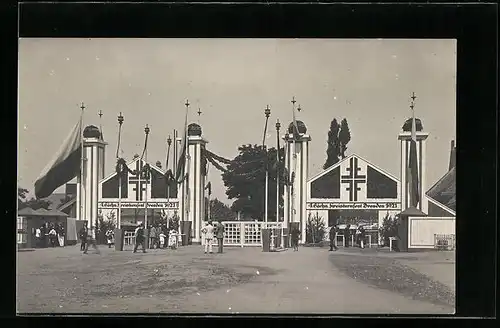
(208, 232)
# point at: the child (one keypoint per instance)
(172, 239)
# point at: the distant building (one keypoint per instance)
(442, 194)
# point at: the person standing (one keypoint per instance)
(46, 231)
(61, 234)
(333, 237)
(208, 234)
(295, 238)
(110, 236)
(362, 236)
(91, 240)
(153, 234)
(52, 236)
(219, 234)
(162, 237)
(139, 238)
(38, 235)
(83, 237)
(347, 234)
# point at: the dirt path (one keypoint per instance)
(243, 280)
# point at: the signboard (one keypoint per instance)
(135, 204)
(354, 205)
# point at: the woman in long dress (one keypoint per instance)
(60, 235)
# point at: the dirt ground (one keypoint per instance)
(242, 280)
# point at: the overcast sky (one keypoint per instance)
(369, 82)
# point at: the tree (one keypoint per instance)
(315, 229)
(21, 193)
(333, 149)
(338, 138)
(344, 137)
(219, 210)
(35, 204)
(389, 228)
(245, 181)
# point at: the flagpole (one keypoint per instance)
(79, 211)
(169, 142)
(294, 159)
(120, 169)
(146, 174)
(187, 162)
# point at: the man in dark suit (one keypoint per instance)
(347, 235)
(219, 234)
(83, 237)
(333, 235)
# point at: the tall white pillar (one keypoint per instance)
(93, 172)
(297, 161)
(405, 139)
(196, 183)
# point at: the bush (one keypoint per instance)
(315, 229)
(389, 228)
(105, 224)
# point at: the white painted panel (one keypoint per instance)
(421, 230)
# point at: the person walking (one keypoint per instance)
(91, 240)
(347, 235)
(295, 238)
(208, 234)
(333, 237)
(139, 238)
(219, 234)
(83, 237)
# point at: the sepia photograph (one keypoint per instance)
(236, 176)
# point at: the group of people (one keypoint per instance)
(210, 231)
(360, 236)
(163, 237)
(157, 236)
(50, 234)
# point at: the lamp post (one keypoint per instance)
(146, 176)
(278, 125)
(120, 168)
(267, 112)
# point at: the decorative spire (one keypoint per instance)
(100, 123)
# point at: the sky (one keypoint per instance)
(367, 81)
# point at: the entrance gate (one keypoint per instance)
(237, 233)
(241, 233)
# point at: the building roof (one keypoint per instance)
(27, 211)
(443, 191)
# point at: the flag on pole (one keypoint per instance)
(179, 175)
(64, 166)
(412, 176)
